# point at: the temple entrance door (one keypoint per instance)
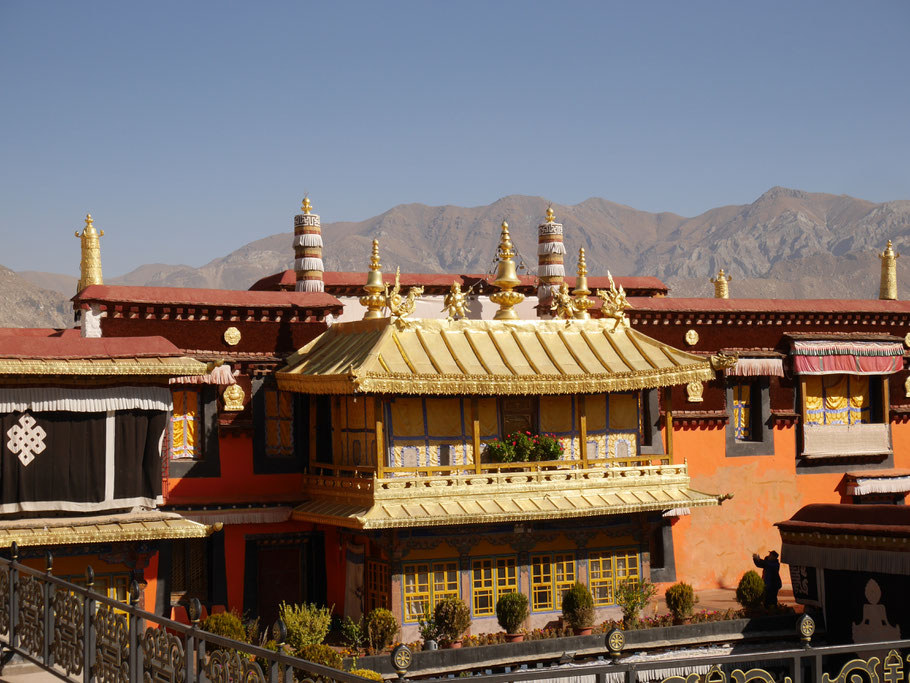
(280, 578)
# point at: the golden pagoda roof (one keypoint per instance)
(487, 357)
(143, 526)
(508, 497)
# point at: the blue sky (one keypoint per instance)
(190, 128)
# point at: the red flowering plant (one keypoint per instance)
(499, 451)
(546, 447)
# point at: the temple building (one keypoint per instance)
(388, 439)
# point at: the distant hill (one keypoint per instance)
(785, 244)
(22, 304)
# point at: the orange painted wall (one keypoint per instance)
(713, 546)
(237, 483)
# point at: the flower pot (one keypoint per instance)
(454, 644)
(586, 631)
(514, 637)
(430, 644)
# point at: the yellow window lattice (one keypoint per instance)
(506, 576)
(742, 412)
(483, 587)
(279, 423)
(551, 577)
(416, 591)
(541, 583)
(608, 570)
(426, 584)
(184, 425)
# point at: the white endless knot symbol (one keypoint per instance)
(26, 439)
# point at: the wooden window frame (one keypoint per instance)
(503, 579)
(547, 588)
(439, 584)
(603, 572)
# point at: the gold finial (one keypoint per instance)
(551, 215)
(306, 206)
(581, 291)
(614, 301)
(374, 300)
(90, 265)
(563, 303)
(506, 278)
(888, 287)
(400, 306)
(456, 303)
(721, 285)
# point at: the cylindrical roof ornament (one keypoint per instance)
(721, 285)
(308, 250)
(550, 254)
(90, 266)
(374, 299)
(581, 291)
(888, 288)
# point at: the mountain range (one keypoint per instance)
(786, 244)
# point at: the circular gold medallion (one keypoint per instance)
(691, 337)
(616, 641)
(907, 340)
(807, 626)
(232, 336)
(401, 658)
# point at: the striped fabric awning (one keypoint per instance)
(847, 357)
(757, 367)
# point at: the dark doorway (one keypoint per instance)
(280, 578)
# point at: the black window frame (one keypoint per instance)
(762, 426)
(269, 464)
(209, 465)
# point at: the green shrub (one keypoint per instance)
(750, 592)
(680, 600)
(367, 673)
(226, 625)
(306, 624)
(426, 624)
(321, 654)
(352, 633)
(546, 447)
(264, 663)
(499, 451)
(633, 596)
(382, 627)
(523, 445)
(578, 606)
(452, 618)
(511, 611)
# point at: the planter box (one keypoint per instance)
(442, 661)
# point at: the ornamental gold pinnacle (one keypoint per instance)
(888, 287)
(306, 206)
(581, 291)
(374, 299)
(90, 265)
(506, 278)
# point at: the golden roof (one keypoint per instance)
(509, 497)
(487, 357)
(146, 526)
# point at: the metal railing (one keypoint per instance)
(82, 636)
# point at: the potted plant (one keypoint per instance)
(632, 597)
(511, 612)
(426, 626)
(452, 619)
(547, 448)
(382, 627)
(680, 599)
(499, 451)
(750, 592)
(578, 609)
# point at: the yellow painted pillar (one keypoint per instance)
(380, 438)
(582, 430)
(475, 433)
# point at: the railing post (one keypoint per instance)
(48, 594)
(195, 609)
(280, 634)
(134, 662)
(13, 596)
(88, 627)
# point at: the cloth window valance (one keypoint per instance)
(757, 367)
(847, 357)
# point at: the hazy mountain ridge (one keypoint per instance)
(786, 244)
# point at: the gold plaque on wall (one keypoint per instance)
(232, 336)
(233, 397)
(691, 337)
(694, 391)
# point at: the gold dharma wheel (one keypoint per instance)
(401, 658)
(616, 641)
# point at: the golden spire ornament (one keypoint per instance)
(90, 266)
(581, 291)
(721, 285)
(306, 206)
(888, 287)
(506, 278)
(374, 300)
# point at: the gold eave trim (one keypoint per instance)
(364, 522)
(103, 367)
(104, 533)
(486, 385)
